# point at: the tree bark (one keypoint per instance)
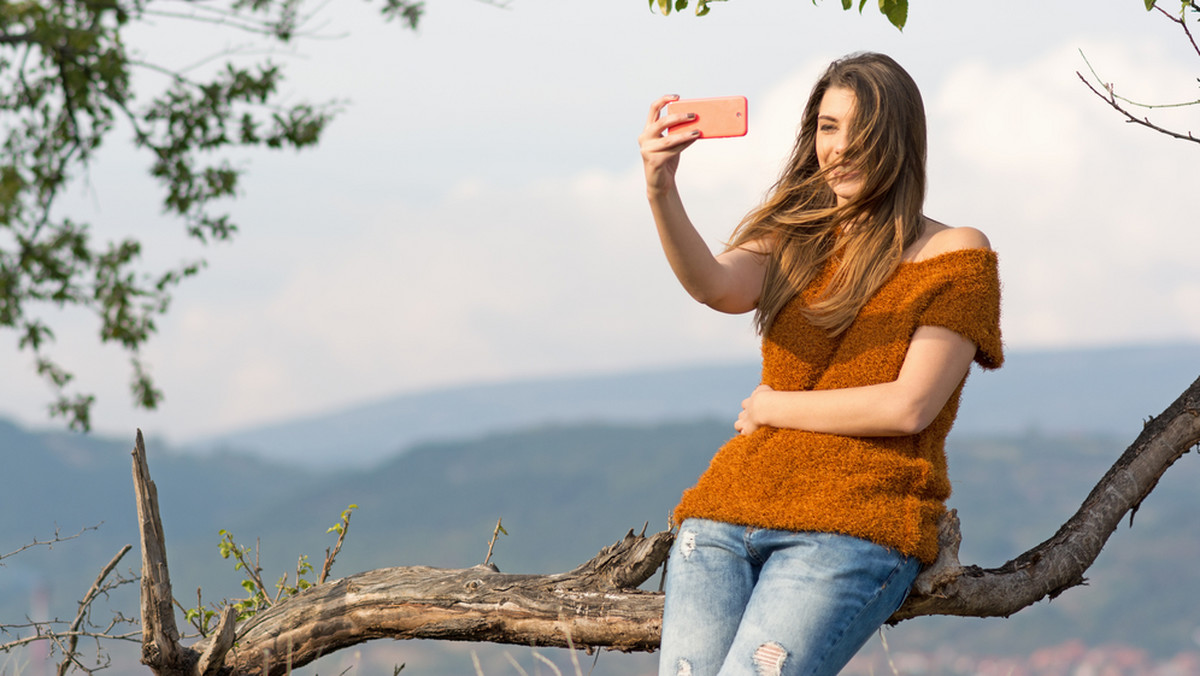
(161, 650)
(598, 605)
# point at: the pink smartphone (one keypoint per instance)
(717, 117)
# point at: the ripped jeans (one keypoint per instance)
(757, 602)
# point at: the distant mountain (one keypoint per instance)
(364, 435)
(1101, 391)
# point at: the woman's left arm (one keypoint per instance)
(935, 364)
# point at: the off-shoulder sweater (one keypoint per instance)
(890, 490)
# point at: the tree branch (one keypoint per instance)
(160, 636)
(592, 605)
(1110, 96)
(92, 593)
(1060, 562)
(1111, 100)
(1182, 24)
(47, 543)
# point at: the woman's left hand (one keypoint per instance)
(750, 418)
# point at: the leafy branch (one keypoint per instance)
(340, 528)
(896, 11)
(258, 597)
(66, 76)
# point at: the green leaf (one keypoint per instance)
(1150, 4)
(847, 4)
(681, 5)
(896, 11)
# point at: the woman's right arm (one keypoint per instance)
(730, 282)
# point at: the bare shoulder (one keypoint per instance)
(939, 238)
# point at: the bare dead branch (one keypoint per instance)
(160, 636)
(47, 634)
(219, 646)
(49, 543)
(84, 606)
(1110, 96)
(1111, 100)
(492, 543)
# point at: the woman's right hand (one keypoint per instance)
(730, 282)
(660, 154)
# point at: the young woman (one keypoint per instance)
(808, 528)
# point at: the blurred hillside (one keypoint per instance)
(1088, 391)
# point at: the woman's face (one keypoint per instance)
(833, 133)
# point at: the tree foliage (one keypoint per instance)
(896, 11)
(67, 79)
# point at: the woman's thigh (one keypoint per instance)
(709, 582)
(818, 598)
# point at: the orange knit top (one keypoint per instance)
(890, 490)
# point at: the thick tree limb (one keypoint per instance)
(1060, 562)
(593, 605)
(597, 605)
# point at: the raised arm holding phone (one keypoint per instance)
(809, 526)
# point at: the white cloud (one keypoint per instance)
(1093, 241)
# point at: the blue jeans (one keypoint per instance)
(758, 602)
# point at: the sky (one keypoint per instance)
(476, 212)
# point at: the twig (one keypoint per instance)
(1129, 117)
(85, 604)
(51, 542)
(492, 543)
(1182, 23)
(1111, 98)
(1112, 92)
(253, 572)
(69, 657)
(133, 636)
(337, 547)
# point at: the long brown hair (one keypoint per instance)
(800, 220)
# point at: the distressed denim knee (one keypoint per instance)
(709, 581)
(759, 602)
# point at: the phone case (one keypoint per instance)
(717, 117)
